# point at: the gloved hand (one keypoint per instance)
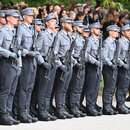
(63, 68)
(113, 67)
(46, 65)
(125, 66)
(13, 55)
(33, 53)
(79, 66)
(97, 63)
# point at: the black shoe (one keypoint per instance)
(52, 110)
(122, 108)
(33, 111)
(82, 108)
(128, 99)
(44, 116)
(34, 119)
(60, 113)
(107, 110)
(91, 110)
(5, 119)
(23, 116)
(75, 111)
(115, 110)
(98, 108)
(15, 122)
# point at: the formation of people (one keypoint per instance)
(49, 66)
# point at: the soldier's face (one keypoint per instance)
(28, 18)
(126, 34)
(67, 27)
(96, 31)
(114, 34)
(85, 34)
(38, 28)
(80, 29)
(51, 23)
(2, 21)
(12, 20)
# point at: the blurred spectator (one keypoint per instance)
(107, 20)
(79, 7)
(122, 19)
(99, 10)
(72, 15)
(112, 11)
(42, 12)
(63, 14)
(80, 16)
(87, 3)
(127, 21)
(57, 9)
(62, 7)
(95, 17)
(116, 19)
(49, 8)
(86, 17)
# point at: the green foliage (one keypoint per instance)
(119, 4)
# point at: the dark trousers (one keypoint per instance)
(26, 83)
(61, 87)
(45, 87)
(109, 77)
(76, 86)
(8, 84)
(122, 84)
(92, 83)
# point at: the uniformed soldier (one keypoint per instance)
(123, 77)
(64, 73)
(109, 69)
(46, 71)
(28, 73)
(93, 77)
(9, 67)
(2, 18)
(85, 35)
(37, 24)
(77, 80)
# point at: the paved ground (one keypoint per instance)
(116, 122)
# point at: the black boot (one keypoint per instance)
(44, 116)
(91, 110)
(107, 109)
(33, 111)
(122, 108)
(115, 110)
(82, 108)
(34, 119)
(23, 116)
(60, 113)
(5, 119)
(99, 109)
(15, 122)
(75, 111)
(52, 110)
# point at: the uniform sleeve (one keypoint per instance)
(19, 41)
(120, 62)
(4, 52)
(105, 54)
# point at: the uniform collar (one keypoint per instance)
(111, 39)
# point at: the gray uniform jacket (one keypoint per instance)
(123, 51)
(109, 47)
(91, 53)
(6, 37)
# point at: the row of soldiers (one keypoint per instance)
(39, 66)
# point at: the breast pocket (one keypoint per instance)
(64, 46)
(27, 41)
(111, 53)
(7, 43)
(45, 47)
(94, 50)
